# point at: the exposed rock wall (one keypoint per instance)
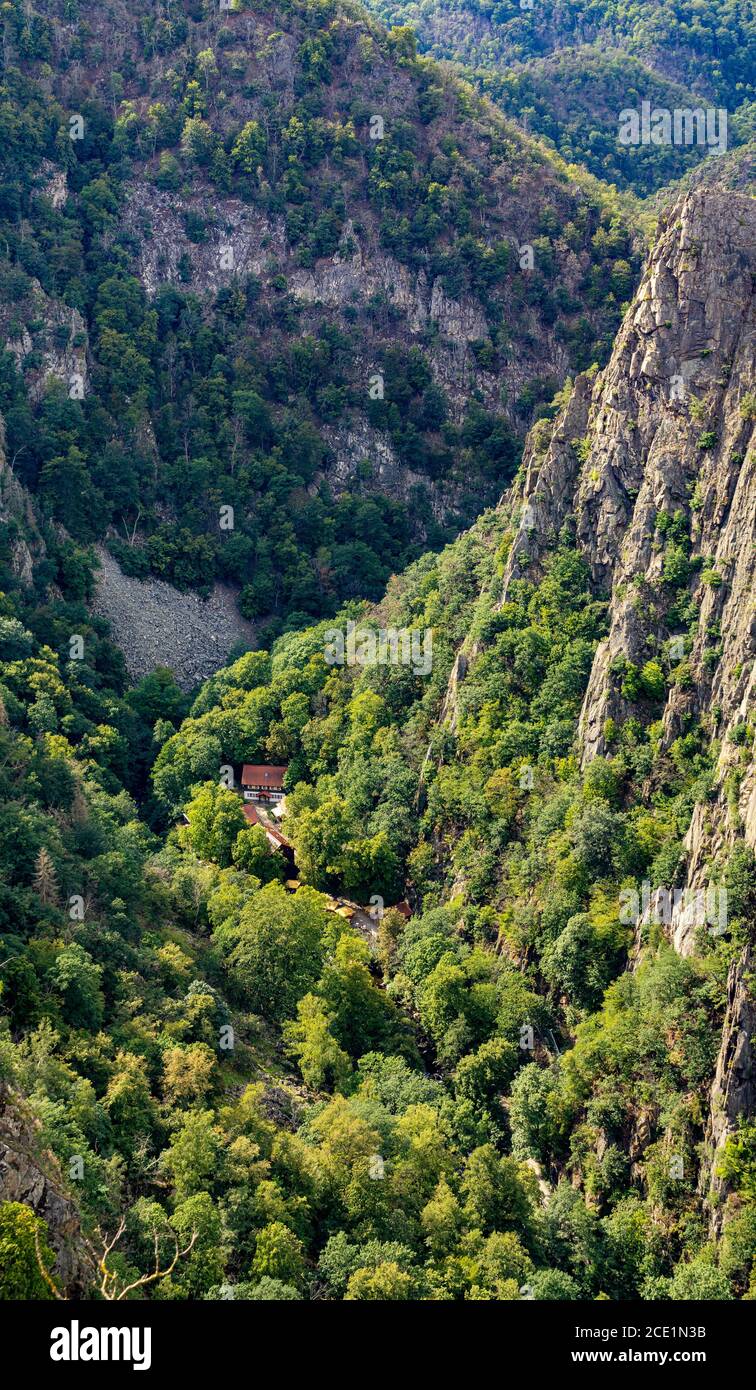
(733, 1090)
(31, 1175)
(240, 240)
(48, 340)
(18, 521)
(669, 427)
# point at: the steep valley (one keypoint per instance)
(378, 823)
(281, 297)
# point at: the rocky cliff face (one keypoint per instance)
(667, 430)
(655, 460)
(33, 1177)
(17, 520)
(48, 341)
(46, 337)
(241, 240)
(257, 70)
(733, 1090)
(275, 260)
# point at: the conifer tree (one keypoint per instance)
(45, 878)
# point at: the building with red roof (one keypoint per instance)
(262, 782)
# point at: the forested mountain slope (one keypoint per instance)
(582, 749)
(541, 1083)
(567, 70)
(685, 41)
(279, 298)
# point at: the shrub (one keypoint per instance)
(20, 1274)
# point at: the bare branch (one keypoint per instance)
(108, 1287)
(159, 1273)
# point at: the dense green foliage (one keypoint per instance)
(203, 434)
(567, 71)
(470, 1097)
(702, 44)
(230, 1061)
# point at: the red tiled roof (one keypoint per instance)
(253, 776)
(276, 837)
